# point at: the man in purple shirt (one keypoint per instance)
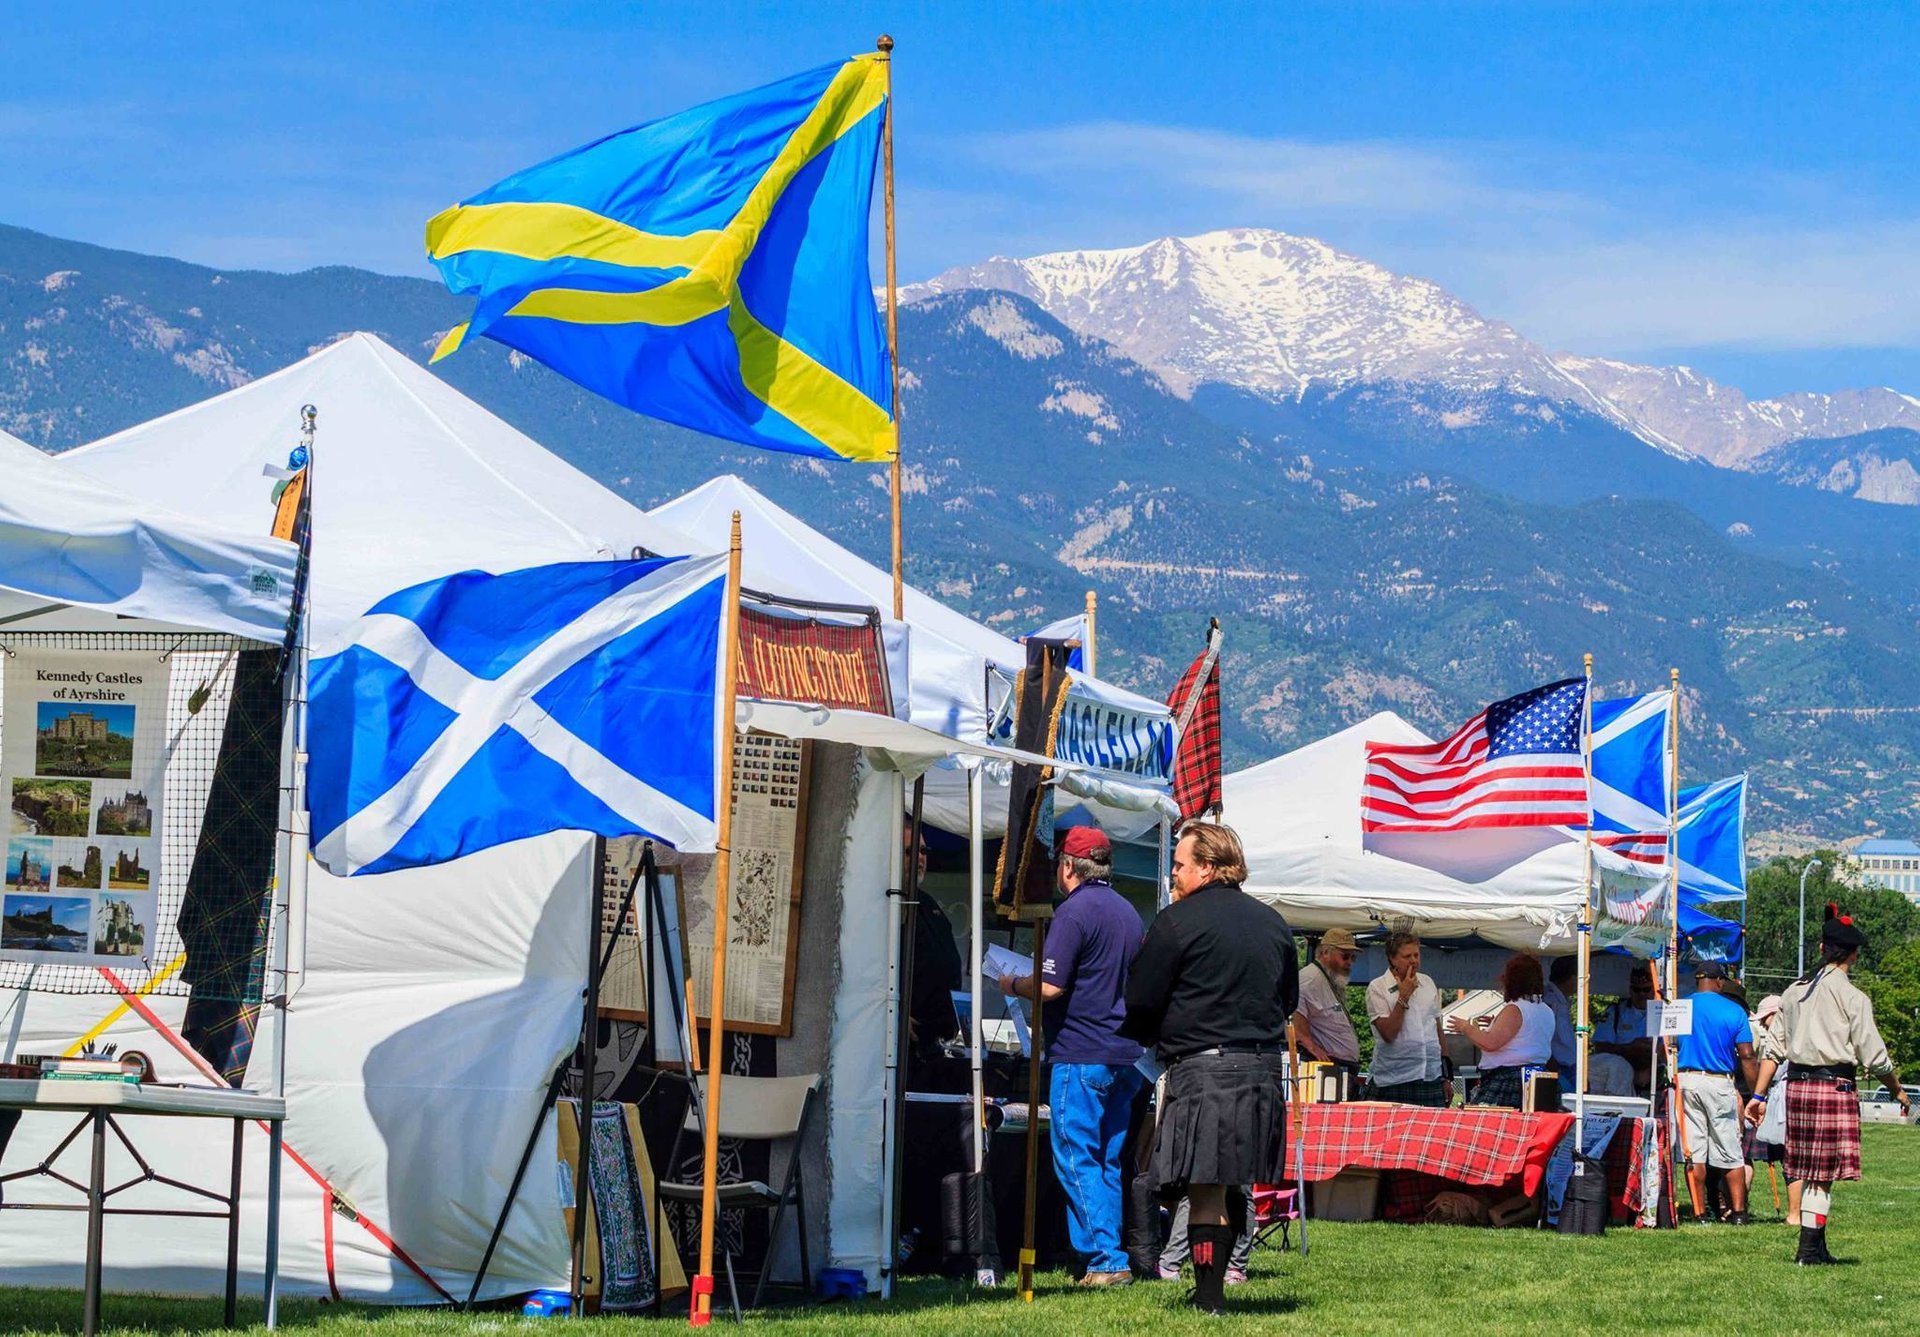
(1082, 987)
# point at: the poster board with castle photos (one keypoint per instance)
(770, 777)
(83, 760)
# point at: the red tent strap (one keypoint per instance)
(334, 1198)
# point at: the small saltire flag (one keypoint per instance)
(1713, 841)
(477, 709)
(710, 268)
(1632, 765)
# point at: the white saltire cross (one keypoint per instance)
(483, 706)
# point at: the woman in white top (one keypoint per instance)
(1519, 1035)
(1404, 1008)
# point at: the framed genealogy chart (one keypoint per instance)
(763, 915)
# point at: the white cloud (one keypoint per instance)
(1379, 177)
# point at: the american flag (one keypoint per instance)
(1516, 763)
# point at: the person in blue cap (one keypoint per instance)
(1720, 1040)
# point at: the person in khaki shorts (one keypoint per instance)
(1721, 1037)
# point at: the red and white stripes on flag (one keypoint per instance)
(1516, 763)
(1643, 847)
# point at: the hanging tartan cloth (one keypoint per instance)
(1196, 707)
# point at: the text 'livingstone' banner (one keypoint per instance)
(813, 663)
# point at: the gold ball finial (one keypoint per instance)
(885, 42)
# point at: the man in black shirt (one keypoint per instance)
(937, 972)
(1211, 989)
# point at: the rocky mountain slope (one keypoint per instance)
(1042, 461)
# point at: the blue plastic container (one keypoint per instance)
(547, 1304)
(843, 1283)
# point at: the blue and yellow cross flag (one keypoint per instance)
(710, 268)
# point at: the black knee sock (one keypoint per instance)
(1210, 1246)
(1236, 1213)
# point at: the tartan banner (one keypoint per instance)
(1196, 762)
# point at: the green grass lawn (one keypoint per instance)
(1359, 1279)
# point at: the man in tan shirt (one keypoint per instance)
(1829, 1039)
(1326, 1031)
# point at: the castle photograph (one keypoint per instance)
(93, 741)
(127, 815)
(51, 807)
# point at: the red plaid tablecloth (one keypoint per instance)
(1466, 1146)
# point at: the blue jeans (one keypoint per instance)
(1089, 1103)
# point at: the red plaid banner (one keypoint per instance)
(1196, 765)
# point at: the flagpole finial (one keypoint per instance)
(883, 44)
(1588, 660)
(1674, 673)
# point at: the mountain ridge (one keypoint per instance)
(1284, 316)
(1041, 461)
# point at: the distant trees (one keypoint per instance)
(1889, 969)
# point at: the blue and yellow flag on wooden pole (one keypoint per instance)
(710, 268)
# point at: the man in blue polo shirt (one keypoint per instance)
(1082, 985)
(1721, 1037)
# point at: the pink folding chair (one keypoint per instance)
(1275, 1209)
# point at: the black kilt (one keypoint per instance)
(1224, 1121)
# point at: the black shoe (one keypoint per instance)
(1813, 1248)
(1739, 1218)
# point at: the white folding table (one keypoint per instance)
(101, 1105)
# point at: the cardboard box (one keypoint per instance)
(1351, 1195)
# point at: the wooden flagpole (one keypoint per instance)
(722, 892)
(1671, 1048)
(1583, 1008)
(885, 46)
(1087, 655)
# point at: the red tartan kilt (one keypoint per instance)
(1823, 1131)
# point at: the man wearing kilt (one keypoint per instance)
(1211, 989)
(1829, 1039)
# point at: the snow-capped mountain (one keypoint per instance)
(1274, 313)
(1288, 317)
(1718, 423)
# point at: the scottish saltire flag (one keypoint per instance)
(709, 268)
(476, 709)
(1713, 841)
(1632, 770)
(1516, 763)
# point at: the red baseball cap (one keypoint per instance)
(1085, 842)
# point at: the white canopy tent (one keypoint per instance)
(951, 657)
(434, 1003)
(70, 543)
(1298, 816)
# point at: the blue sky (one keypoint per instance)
(1729, 185)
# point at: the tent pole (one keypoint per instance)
(1583, 1006)
(976, 929)
(911, 893)
(890, 1078)
(702, 1313)
(589, 1044)
(290, 883)
(885, 45)
(1164, 894)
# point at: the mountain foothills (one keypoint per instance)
(1390, 502)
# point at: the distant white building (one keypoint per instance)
(1891, 863)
